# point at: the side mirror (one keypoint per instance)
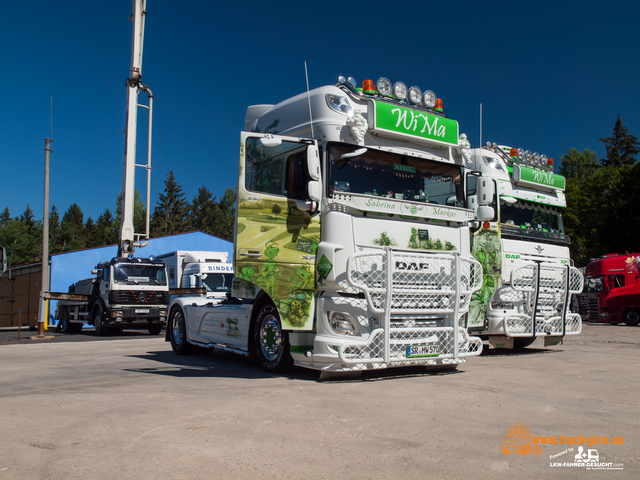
(472, 202)
(315, 191)
(486, 190)
(484, 213)
(313, 162)
(193, 281)
(94, 272)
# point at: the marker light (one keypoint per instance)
(384, 86)
(400, 90)
(438, 107)
(521, 154)
(513, 152)
(536, 159)
(415, 95)
(367, 87)
(429, 99)
(352, 81)
(341, 79)
(550, 160)
(486, 225)
(544, 160)
(488, 145)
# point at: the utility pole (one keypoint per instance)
(45, 240)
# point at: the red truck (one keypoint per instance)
(613, 289)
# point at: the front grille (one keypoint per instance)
(138, 297)
(593, 307)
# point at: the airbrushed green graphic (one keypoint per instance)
(324, 267)
(419, 239)
(540, 177)
(487, 249)
(275, 250)
(415, 123)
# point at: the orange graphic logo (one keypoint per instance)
(519, 440)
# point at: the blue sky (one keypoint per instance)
(550, 75)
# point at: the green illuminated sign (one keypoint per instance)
(404, 121)
(405, 168)
(537, 178)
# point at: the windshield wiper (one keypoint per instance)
(134, 281)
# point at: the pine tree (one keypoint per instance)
(622, 147)
(72, 229)
(225, 215)
(171, 214)
(5, 216)
(54, 231)
(203, 211)
(106, 230)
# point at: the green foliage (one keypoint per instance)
(602, 216)
(171, 214)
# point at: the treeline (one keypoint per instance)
(22, 235)
(603, 215)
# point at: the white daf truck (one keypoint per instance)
(524, 251)
(352, 239)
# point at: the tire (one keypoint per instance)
(155, 329)
(631, 317)
(523, 342)
(177, 330)
(270, 342)
(65, 324)
(96, 316)
(76, 327)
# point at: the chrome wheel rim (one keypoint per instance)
(270, 338)
(177, 327)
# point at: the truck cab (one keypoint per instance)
(613, 289)
(524, 250)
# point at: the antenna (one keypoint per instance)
(308, 97)
(480, 125)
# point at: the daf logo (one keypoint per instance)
(539, 249)
(142, 297)
(411, 266)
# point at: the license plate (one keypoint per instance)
(423, 351)
(142, 310)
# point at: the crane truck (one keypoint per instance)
(352, 238)
(127, 292)
(524, 251)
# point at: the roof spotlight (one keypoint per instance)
(415, 95)
(536, 159)
(429, 99)
(384, 86)
(400, 90)
(521, 154)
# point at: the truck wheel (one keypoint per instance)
(523, 342)
(65, 324)
(97, 321)
(631, 317)
(271, 343)
(178, 332)
(155, 329)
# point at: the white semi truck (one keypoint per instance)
(352, 239)
(524, 251)
(191, 270)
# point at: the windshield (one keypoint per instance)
(383, 174)
(532, 220)
(218, 282)
(139, 274)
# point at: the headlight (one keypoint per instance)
(429, 99)
(400, 90)
(502, 305)
(343, 324)
(493, 163)
(339, 104)
(384, 86)
(415, 95)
